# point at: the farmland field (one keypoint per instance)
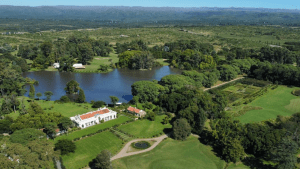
(176, 154)
(145, 128)
(88, 148)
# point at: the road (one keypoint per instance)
(223, 83)
(123, 152)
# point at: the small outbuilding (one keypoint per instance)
(137, 112)
(78, 66)
(56, 65)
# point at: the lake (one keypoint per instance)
(96, 86)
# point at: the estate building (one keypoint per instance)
(94, 117)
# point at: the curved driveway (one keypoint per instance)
(123, 152)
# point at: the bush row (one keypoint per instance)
(255, 82)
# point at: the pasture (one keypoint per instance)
(276, 102)
(176, 154)
(145, 128)
(88, 148)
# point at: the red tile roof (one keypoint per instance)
(89, 115)
(132, 109)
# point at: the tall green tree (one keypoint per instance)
(102, 161)
(48, 95)
(46, 48)
(72, 87)
(65, 123)
(38, 95)
(114, 99)
(81, 96)
(31, 91)
(86, 52)
(284, 154)
(26, 135)
(181, 129)
(50, 129)
(146, 91)
(65, 146)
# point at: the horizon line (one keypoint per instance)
(149, 6)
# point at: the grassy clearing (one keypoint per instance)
(163, 62)
(66, 109)
(276, 102)
(175, 154)
(145, 128)
(94, 128)
(88, 148)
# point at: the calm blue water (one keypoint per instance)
(97, 86)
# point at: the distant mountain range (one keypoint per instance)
(123, 13)
(33, 19)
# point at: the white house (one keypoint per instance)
(56, 65)
(137, 112)
(93, 118)
(78, 66)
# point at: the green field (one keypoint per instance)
(66, 109)
(145, 128)
(276, 102)
(94, 128)
(88, 148)
(175, 154)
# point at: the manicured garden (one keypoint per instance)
(94, 129)
(88, 148)
(279, 101)
(176, 154)
(146, 128)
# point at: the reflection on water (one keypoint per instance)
(97, 86)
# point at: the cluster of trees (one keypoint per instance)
(73, 90)
(276, 73)
(272, 141)
(65, 51)
(136, 59)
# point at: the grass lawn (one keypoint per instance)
(145, 128)
(276, 102)
(66, 109)
(175, 154)
(163, 62)
(98, 60)
(93, 129)
(88, 148)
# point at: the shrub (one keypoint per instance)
(296, 92)
(98, 104)
(64, 99)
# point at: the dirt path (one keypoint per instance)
(223, 83)
(123, 152)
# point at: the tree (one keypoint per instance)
(81, 96)
(150, 115)
(50, 129)
(181, 129)
(46, 48)
(98, 104)
(284, 154)
(31, 91)
(48, 95)
(65, 123)
(5, 124)
(38, 95)
(65, 146)
(114, 99)
(26, 135)
(64, 99)
(146, 90)
(102, 161)
(103, 68)
(166, 120)
(72, 87)
(86, 52)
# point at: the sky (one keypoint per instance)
(282, 4)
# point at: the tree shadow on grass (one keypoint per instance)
(255, 163)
